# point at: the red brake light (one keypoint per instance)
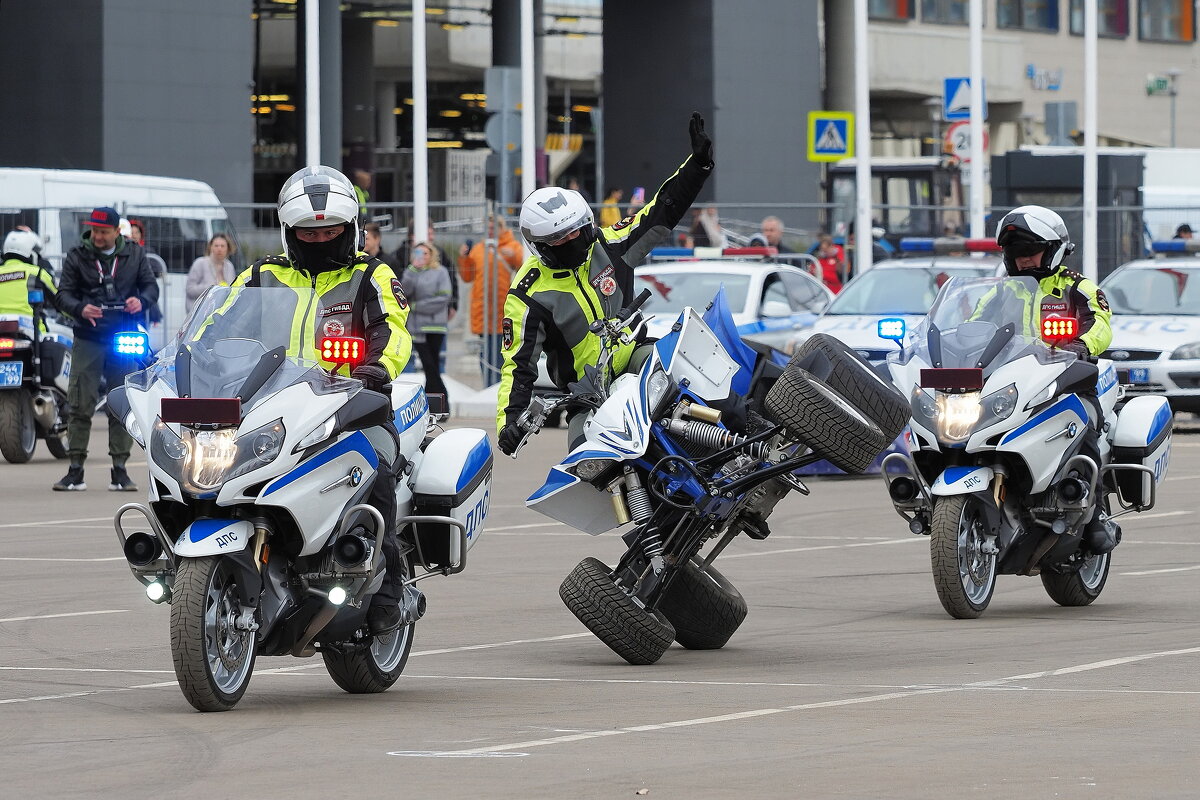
(1059, 330)
(7, 344)
(343, 349)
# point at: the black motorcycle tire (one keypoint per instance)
(703, 606)
(1071, 589)
(374, 666)
(57, 443)
(192, 637)
(18, 433)
(946, 557)
(825, 420)
(635, 634)
(853, 377)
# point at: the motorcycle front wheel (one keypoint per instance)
(632, 632)
(372, 667)
(964, 576)
(703, 606)
(18, 433)
(213, 658)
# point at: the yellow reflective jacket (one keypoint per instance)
(17, 279)
(1067, 293)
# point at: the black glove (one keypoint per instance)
(508, 439)
(373, 377)
(702, 146)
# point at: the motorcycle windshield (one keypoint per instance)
(982, 322)
(225, 347)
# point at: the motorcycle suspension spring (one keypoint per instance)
(713, 437)
(637, 498)
(652, 544)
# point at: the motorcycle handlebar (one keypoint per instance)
(638, 302)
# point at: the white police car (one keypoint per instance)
(896, 289)
(1156, 327)
(768, 300)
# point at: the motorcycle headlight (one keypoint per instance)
(1000, 404)
(204, 460)
(210, 455)
(166, 448)
(1187, 351)
(322, 433)
(657, 389)
(924, 409)
(589, 468)
(135, 430)
(957, 415)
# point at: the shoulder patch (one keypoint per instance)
(529, 280)
(1101, 300)
(506, 328)
(624, 223)
(398, 293)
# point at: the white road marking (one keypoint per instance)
(88, 669)
(40, 558)
(466, 648)
(71, 614)
(825, 547)
(1159, 515)
(55, 521)
(1182, 478)
(1161, 571)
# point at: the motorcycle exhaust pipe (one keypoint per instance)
(350, 551)
(902, 489)
(412, 605)
(142, 549)
(44, 409)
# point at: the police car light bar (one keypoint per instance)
(132, 343)
(892, 328)
(1176, 246)
(944, 245)
(713, 252)
(343, 349)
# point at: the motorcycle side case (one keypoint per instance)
(454, 479)
(1142, 436)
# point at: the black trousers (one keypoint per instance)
(383, 499)
(430, 352)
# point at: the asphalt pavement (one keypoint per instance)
(847, 679)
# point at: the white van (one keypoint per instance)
(180, 216)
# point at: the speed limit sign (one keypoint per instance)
(958, 140)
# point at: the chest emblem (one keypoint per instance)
(334, 327)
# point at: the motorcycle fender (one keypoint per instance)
(214, 537)
(962, 480)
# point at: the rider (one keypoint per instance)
(361, 296)
(577, 274)
(21, 273)
(1035, 241)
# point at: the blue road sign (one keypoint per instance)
(830, 135)
(956, 99)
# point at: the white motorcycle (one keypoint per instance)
(34, 373)
(1000, 476)
(665, 449)
(260, 465)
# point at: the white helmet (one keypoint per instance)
(24, 245)
(1028, 230)
(551, 214)
(316, 197)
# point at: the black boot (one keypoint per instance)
(1101, 534)
(384, 616)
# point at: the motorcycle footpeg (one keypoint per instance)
(755, 528)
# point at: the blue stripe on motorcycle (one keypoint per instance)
(355, 442)
(1068, 403)
(479, 457)
(403, 411)
(1161, 420)
(201, 529)
(956, 474)
(582, 454)
(557, 479)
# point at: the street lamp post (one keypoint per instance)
(1173, 74)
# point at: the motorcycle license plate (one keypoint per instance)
(11, 373)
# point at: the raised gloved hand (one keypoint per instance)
(702, 145)
(373, 377)
(508, 439)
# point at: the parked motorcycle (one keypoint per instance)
(260, 466)
(34, 371)
(672, 449)
(1002, 478)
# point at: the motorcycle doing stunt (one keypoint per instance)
(261, 464)
(1001, 477)
(672, 449)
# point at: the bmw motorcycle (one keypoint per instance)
(670, 450)
(260, 464)
(1001, 478)
(34, 371)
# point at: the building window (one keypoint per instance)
(951, 12)
(890, 9)
(1112, 17)
(1030, 15)
(1167, 20)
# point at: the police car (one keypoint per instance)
(901, 288)
(1156, 325)
(768, 300)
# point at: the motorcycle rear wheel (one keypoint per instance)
(1081, 586)
(57, 443)
(18, 433)
(213, 659)
(965, 578)
(630, 631)
(374, 667)
(703, 606)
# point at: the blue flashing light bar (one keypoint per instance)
(671, 252)
(713, 252)
(944, 245)
(892, 328)
(1176, 246)
(132, 343)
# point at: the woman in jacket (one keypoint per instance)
(426, 284)
(490, 270)
(211, 269)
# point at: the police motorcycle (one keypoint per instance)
(1000, 476)
(35, 365)
(671, 449)
(261, 463)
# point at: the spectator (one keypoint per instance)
(574, 185)
(431, 240)
(490, 269)
(833, 262)
(878, 252)
(1184, 231)
(106, 285)
(705, 230)
(403, 252)
(636, 201)
(137, 233)
(362, 190)
(610, 211)
(211, 269)
(426, 284)
(372, 240)
(770, 234)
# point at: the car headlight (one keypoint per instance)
(657, 388)
(1187, 351)
(957, 415)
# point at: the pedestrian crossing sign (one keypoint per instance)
(830, 135)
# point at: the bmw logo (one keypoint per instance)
(1120, 355)
(1072, 429)
(356, 476)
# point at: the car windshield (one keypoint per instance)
(224, 348)
(899, 290)
(1159, 291)
(983, 322)
(671, 292)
